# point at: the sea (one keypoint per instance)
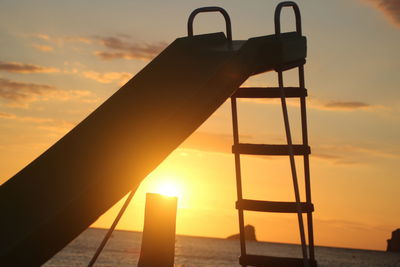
(123, 249)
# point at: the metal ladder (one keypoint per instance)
(290, 150)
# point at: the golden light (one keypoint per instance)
(169, 188)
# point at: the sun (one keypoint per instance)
(168, 188)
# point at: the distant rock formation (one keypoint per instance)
(393, 244)
(249, 234)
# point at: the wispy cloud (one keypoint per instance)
(313, 103)
(12, 116)
(340, 154)
(20, 94)
(209, 142)
(77, 39)
(115, 47)
(42, 36)
(20, 91)
(347, 154)
(60, 41)
(25, 68)
(43, 48)
(48, 124)
(122, 48)
(355, 225)
(334, 159)
(5, 115)
(108, 77)
(372, 151)
(333, 154)
(342, 105)
(390, 8)
(212, 142)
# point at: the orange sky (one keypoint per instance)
(54, 71)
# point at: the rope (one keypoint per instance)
(112, 228)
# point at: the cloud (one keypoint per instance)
(20, 94)
(25, 68)
(337, 154)
(108, 77)
(77, 39)
(48, 124)
(116, 47)
(43, 48)
(20, 91)
(372, 151)
(5, 115)
(390, 8)
(41, 36)
(355, 225)
(344, 105)
(209, 142)
(347, 154)
(222, 143)
(313, 103)
(212, 142)
(121, 48)
(334, 159)
(60, 41)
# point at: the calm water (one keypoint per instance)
(124, 247)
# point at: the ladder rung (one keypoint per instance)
(257, 260)
(272, 150)
(269, 92)
(273, 206)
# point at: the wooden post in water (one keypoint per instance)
(158, 240)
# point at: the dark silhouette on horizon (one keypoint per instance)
(249, 234)
(393, 244)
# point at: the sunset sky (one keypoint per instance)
(60, 60)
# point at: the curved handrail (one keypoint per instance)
(211, 9)
(277, 17)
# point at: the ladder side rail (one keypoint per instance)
(277, 14)
(293, 169)
(238, 176)
(211, 9)
(306, 161)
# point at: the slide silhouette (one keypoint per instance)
(63, 191)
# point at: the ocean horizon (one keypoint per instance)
(123, 249)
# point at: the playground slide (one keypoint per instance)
(62, 192)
